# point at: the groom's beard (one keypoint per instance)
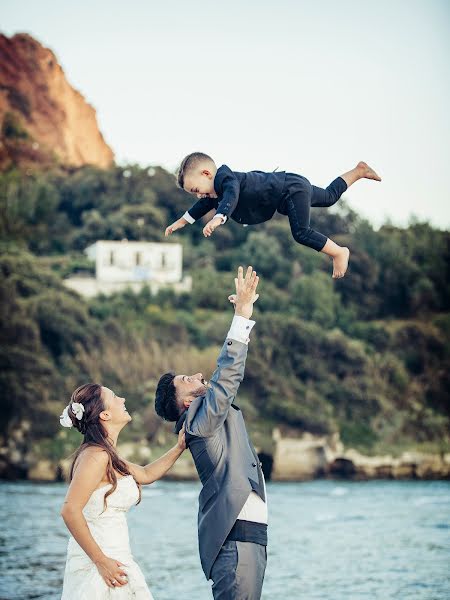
(201, 390)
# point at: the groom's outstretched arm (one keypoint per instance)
(207, 415)
(212, 411)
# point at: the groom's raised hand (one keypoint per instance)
(246, 295)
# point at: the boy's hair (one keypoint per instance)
(166, 405)
(189, 163)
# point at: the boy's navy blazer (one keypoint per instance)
(247, 198)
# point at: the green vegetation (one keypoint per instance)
(366, 355)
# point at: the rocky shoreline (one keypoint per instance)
(292, 457)
(310, 457)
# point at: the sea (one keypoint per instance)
(329, 540)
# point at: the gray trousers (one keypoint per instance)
(238, 571)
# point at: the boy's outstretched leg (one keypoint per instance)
(361, 171)
(329, 196)
(340, 256)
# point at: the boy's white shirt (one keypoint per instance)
(188, 218)
(191, 220)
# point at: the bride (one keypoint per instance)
(102, 488)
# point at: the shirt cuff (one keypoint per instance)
(224, 217)
(188, 218)
(240, 329)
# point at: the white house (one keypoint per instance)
(120, 265)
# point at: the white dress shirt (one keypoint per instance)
(191, 220)
(188, 218)
(240, 329)
(254, 509)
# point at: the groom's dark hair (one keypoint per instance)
(166, 405)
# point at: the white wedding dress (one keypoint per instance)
(109, 528)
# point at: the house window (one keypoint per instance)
(111, 257)
(138, 259)
(163, 261)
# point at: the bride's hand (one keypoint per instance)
(112, 572)
(182, 439)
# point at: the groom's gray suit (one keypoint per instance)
(229, 470)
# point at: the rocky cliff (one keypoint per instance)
(43, 119)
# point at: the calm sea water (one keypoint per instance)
(327, 540)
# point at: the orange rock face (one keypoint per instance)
(43, 119)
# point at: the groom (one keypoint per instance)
(232, 516)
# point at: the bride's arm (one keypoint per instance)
(89, 472)
(155, 470)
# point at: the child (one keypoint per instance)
(253, 197)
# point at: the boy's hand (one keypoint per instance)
(179, 223)
(211, 226)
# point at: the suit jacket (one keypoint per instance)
(226, 461)
(247, 198)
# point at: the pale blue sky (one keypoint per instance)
(308, 86)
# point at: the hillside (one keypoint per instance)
(365, 357)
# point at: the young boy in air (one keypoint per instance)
(253, 197)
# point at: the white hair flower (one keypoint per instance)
(64, 419)
(78, 410)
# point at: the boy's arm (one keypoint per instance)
(228, 187)
(212, 410)
(199, 209)
(178, 224)
(228, 183)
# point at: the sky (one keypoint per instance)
(308, 86)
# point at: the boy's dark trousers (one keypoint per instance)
(298, 197)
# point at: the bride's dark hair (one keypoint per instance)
(90, 396)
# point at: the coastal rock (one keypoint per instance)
(295, 457)
(43, 119)
(43, 470)
(404, 470)
(300, 458)
(307, 456)
(432, 467)
(370, 467)
(14, 459)
(64, 468)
